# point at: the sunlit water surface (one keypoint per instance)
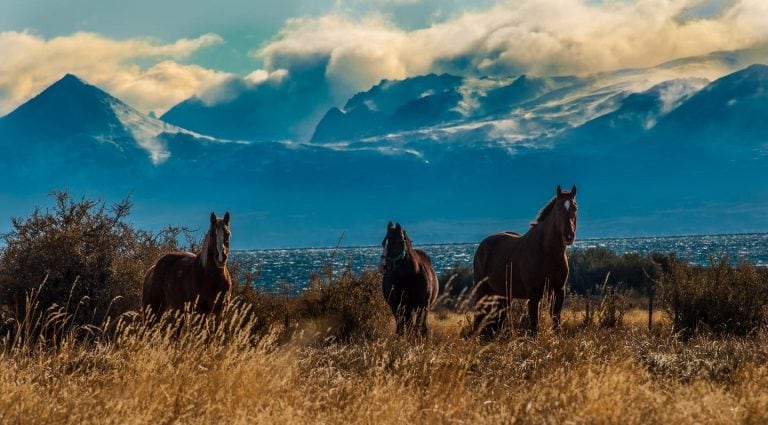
(289, 270)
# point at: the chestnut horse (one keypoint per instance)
(508, 265)
(409, 284)
(200, 281)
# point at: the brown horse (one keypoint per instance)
(409, 284)
(508, 265)
(183, 279)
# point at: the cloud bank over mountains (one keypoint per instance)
(30, 63)
(540, 37)
(347, 53)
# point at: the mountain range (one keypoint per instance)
(452, 158)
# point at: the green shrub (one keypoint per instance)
(721, 298)
(80, 257)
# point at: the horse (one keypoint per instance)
(509, 265)
(409, 281)
(182, 280)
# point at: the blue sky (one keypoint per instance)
(154, 54)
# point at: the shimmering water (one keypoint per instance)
(289, 270)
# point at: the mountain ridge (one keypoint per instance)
(638, 172)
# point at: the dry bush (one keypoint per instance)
(79, 256)
(348, 307)
(456, 285)
(721, 298)
(588, 268)
(610, 313)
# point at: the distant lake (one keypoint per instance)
(289, 269)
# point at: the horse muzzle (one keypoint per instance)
(221, 262)
(383, 266)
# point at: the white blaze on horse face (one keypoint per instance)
(220, 244)
(567, 205)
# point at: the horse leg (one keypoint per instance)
(491, 316)
(486, 306)
(414, 320)
(422, 317)
(400, 326)
(498, 316)
(533, 315)
(400, 319)
(557, 306)
(479, 322)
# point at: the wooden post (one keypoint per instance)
(675, 301)
(586, 309)
(650, 307)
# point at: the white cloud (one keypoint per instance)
(30, 63)
(543, 37)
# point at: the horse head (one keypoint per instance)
(394, 246)
(218, 239)
(565, 214)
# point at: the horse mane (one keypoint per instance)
(407, 241)
(202, 254)
(412, 252)
(544, 213)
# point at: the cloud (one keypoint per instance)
(542, 37)
(30, 63)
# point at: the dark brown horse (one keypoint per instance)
(508, 265)
(183, 279)
(409, 284)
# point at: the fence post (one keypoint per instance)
(587, 319)
(650, 306)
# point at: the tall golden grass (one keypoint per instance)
(330, 355)
(205, 371)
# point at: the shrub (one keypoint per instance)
(721, 298)
(348, 307)
(352, 306)
(456, 286)
(265, 312)
(610, 314)
(80, 257)
(589, 267)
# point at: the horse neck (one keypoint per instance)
(546, 236)
(410, 263)
(206, 256)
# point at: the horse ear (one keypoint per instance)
(559, 191)
(573, 191)
(213, 218)
(226, 218)
(390, 225)
(397, 226)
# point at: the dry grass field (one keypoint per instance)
(222, 374)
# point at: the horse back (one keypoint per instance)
(160, 277)
(489, 249)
